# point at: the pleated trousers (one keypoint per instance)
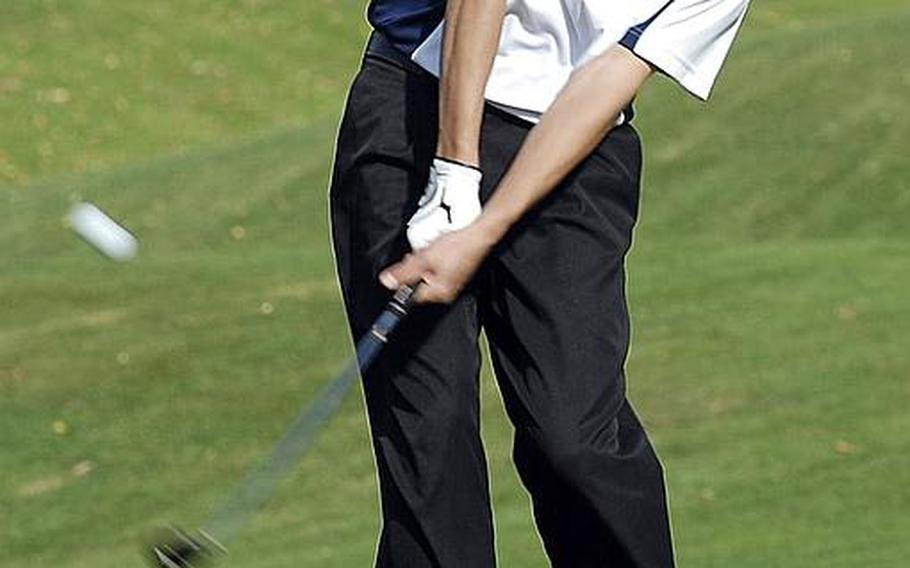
(551, 301)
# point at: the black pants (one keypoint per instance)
(551, 300)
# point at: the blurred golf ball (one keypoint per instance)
(102, 232)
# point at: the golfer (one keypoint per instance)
(515, 207)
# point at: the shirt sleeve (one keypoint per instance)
(688, 40)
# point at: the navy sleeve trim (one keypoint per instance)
(634, 34)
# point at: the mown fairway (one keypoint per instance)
(768, 283)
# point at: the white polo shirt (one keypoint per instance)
(544, 41)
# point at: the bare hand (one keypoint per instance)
(444, 268)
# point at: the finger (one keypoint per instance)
(420, 291)
(431, 291)
(423, 294)
(408, 271)
(387, 280)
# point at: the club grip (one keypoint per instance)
(394, 312)
(404, 297)
(378, 335)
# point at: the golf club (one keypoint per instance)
(175, 548)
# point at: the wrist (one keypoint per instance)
(466, 154)
(490, 228)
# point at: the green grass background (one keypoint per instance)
(768, 285)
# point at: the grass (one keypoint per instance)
(88, 85)
(767, 286)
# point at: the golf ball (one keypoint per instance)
(106, 235)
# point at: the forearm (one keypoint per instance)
(581, 116)
(469, 47)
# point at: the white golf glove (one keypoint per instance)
(450, 202)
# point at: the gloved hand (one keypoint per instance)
(451, 202)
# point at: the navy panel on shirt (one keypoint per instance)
(634, 34)
(406, 23)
